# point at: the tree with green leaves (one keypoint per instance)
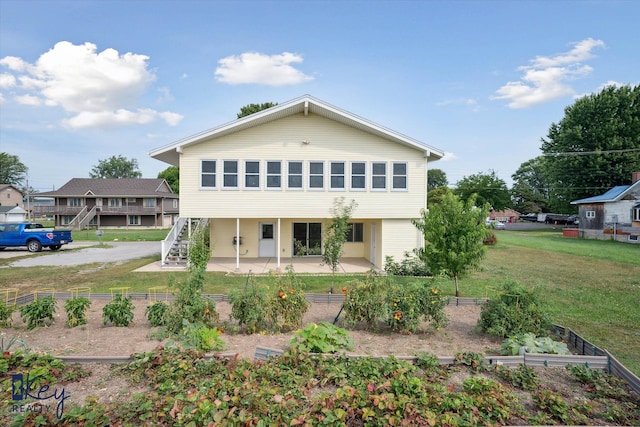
(487, 187)
(172, 176)
(453, 232)
(12, 170)
(436, 178)
(530, 192)
(116, 167)
(336, 234)
(254, 108)
(595, 146)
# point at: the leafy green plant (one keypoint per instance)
(119, 311)
(523, 377)
(6, 313)
(474, 361)
(323, 337)
(250, 307)
(406, 306)
(516, 310)
(39, 312)
(156, 313)
(287, 304)
(365, 301)
(410, 265)
(553, 404)
(76, 309)
(201, 337)
(528, 343)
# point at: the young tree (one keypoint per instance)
(12, 170)
(595, 146)
(116, 167)
(488, 188)
(254, 108)
(336, 234)
(453, 232)
(172, 176)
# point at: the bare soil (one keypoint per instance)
(97, 339)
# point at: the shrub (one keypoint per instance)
(6, 313)
(323, 337)
(119, 311)
(76, 309)
(411, 265)
(156, 313)
(201, 337)
(516, 310)
(39, 312)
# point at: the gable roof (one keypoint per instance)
(5, 186)
(305, 104)
(12, 209)
(613, 195)
(104, 187)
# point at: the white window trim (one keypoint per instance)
(344, 175)
(302, 175)
(152, 205)
(244, 175)
(267, 175)
(215, 174)
(80, 202)
(324, 175)
(237, 174)
(406, 176)
(117, 205)
(386, 176)
(635, 214)
(137, 222)
(365, 176)
(590, 214)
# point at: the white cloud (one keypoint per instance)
(546, 78)
(29, 100)
(448, 156)
(7, 81)
(98, 88)
(258, 68)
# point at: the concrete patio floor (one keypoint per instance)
(265, 265)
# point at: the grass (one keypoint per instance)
(590, 286)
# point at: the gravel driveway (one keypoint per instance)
(112, 252)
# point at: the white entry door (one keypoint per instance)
(267, 242)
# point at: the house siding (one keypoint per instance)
(282, 140)
(395, 234)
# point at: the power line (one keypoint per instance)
(584, 153)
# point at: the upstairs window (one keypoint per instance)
(316, 175)
(74, 202)
(230, 174)
(358, 175)
(295, 175)
(337, 175)
(208, 175)
(149, 203)
(378, 176)
(115, 203)
(591, 214)
(274, 174)
(399, 181)
(252, 174)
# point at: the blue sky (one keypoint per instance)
(81, 81)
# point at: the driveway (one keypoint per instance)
(112, 252)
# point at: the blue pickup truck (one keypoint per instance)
(32, 235)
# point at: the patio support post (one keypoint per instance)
(278, 269)
(237, 245)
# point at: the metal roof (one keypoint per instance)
(612, 195)
(305, 104)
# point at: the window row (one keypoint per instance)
(297, 175)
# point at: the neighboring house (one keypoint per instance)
(506, 216)
(614, 214)
(12, 214)
(10, 196)
(127, 202)
(269, 181)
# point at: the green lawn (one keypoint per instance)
(592, 287)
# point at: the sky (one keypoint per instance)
(482, 81)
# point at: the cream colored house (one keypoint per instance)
(268, 182)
